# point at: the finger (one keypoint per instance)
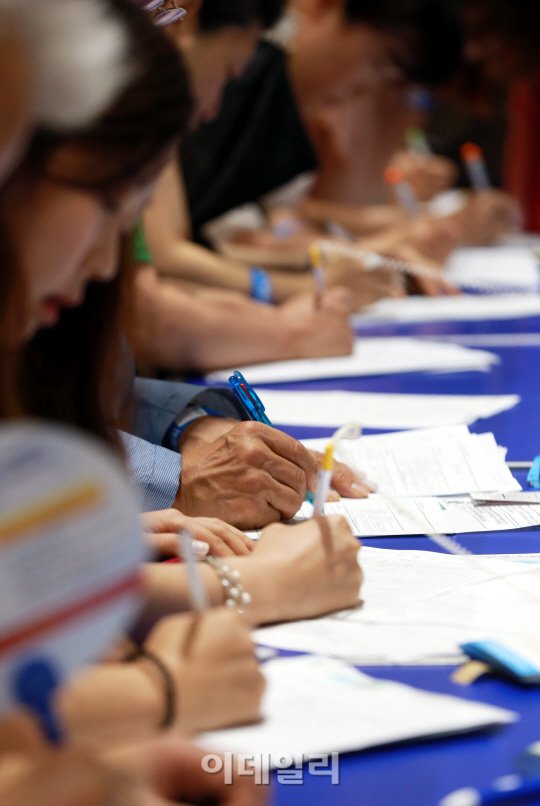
(163, 520)
(348, 484)
(229, 533)
(290, 449)
(218, 547)
(284, 500)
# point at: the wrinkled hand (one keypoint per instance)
(313, 567)
(250, 476)
(214, 536)
(211, 658)
(345, 482)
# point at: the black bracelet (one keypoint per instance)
(169, 689)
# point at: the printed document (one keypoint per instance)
(381, 411)
(317, 705)
(417, 607)
(437, 461)
(372, 356)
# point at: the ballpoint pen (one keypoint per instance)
(317, 267)
(324, 481)
(253, 405)
(473, 157)
(199, 598)
(403, 191)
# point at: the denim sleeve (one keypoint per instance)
(154, 472)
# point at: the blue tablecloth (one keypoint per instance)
(421, 774)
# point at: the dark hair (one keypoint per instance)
(515, 21)
(436, 27)
(217, 14)
(70, 372)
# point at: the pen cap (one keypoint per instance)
(328, 461)
(470, 152)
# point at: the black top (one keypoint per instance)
(257, 143)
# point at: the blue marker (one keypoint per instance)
(253, 405)
(34, 683)
(509, 789)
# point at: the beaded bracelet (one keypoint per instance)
(236, 595)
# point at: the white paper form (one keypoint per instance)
(394, 517)
(384, 411)
(373, 356)
(316, 705)
(494, 268)
(465, 307)
(419, 606)
(438, 461)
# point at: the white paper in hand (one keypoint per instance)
(70, 552)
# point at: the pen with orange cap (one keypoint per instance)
(402, 190)
(473, 158)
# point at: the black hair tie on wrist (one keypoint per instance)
(169, 689)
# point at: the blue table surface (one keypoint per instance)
(421, 774)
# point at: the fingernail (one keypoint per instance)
(333, 496)
(200, 548)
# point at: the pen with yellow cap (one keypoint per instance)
(324, 481)
(317, 267)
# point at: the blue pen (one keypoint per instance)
(509, 789)
(253, 405)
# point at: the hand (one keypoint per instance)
(212, 661)
(251, 476)
(203, 431)
(427, 174)
(311, 568)
(319, 332)
(487, 216)
(345, 481)
(170, 770)
(367, 287)
(212, 535)
(400, 246)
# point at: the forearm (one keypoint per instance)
(168, 591)
(192, 262)
(357, 220)
(182, 331)
(110, 702)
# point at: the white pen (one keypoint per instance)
(198, 595)
(403, 191)
(324, 481)
(473, 157)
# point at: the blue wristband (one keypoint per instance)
(261, 285)
(176, 429)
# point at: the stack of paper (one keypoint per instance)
(381, 411)
(379, 356)
(465, 307)
(315, 705)
(495, 268)
(436, 461)
(419, 606)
